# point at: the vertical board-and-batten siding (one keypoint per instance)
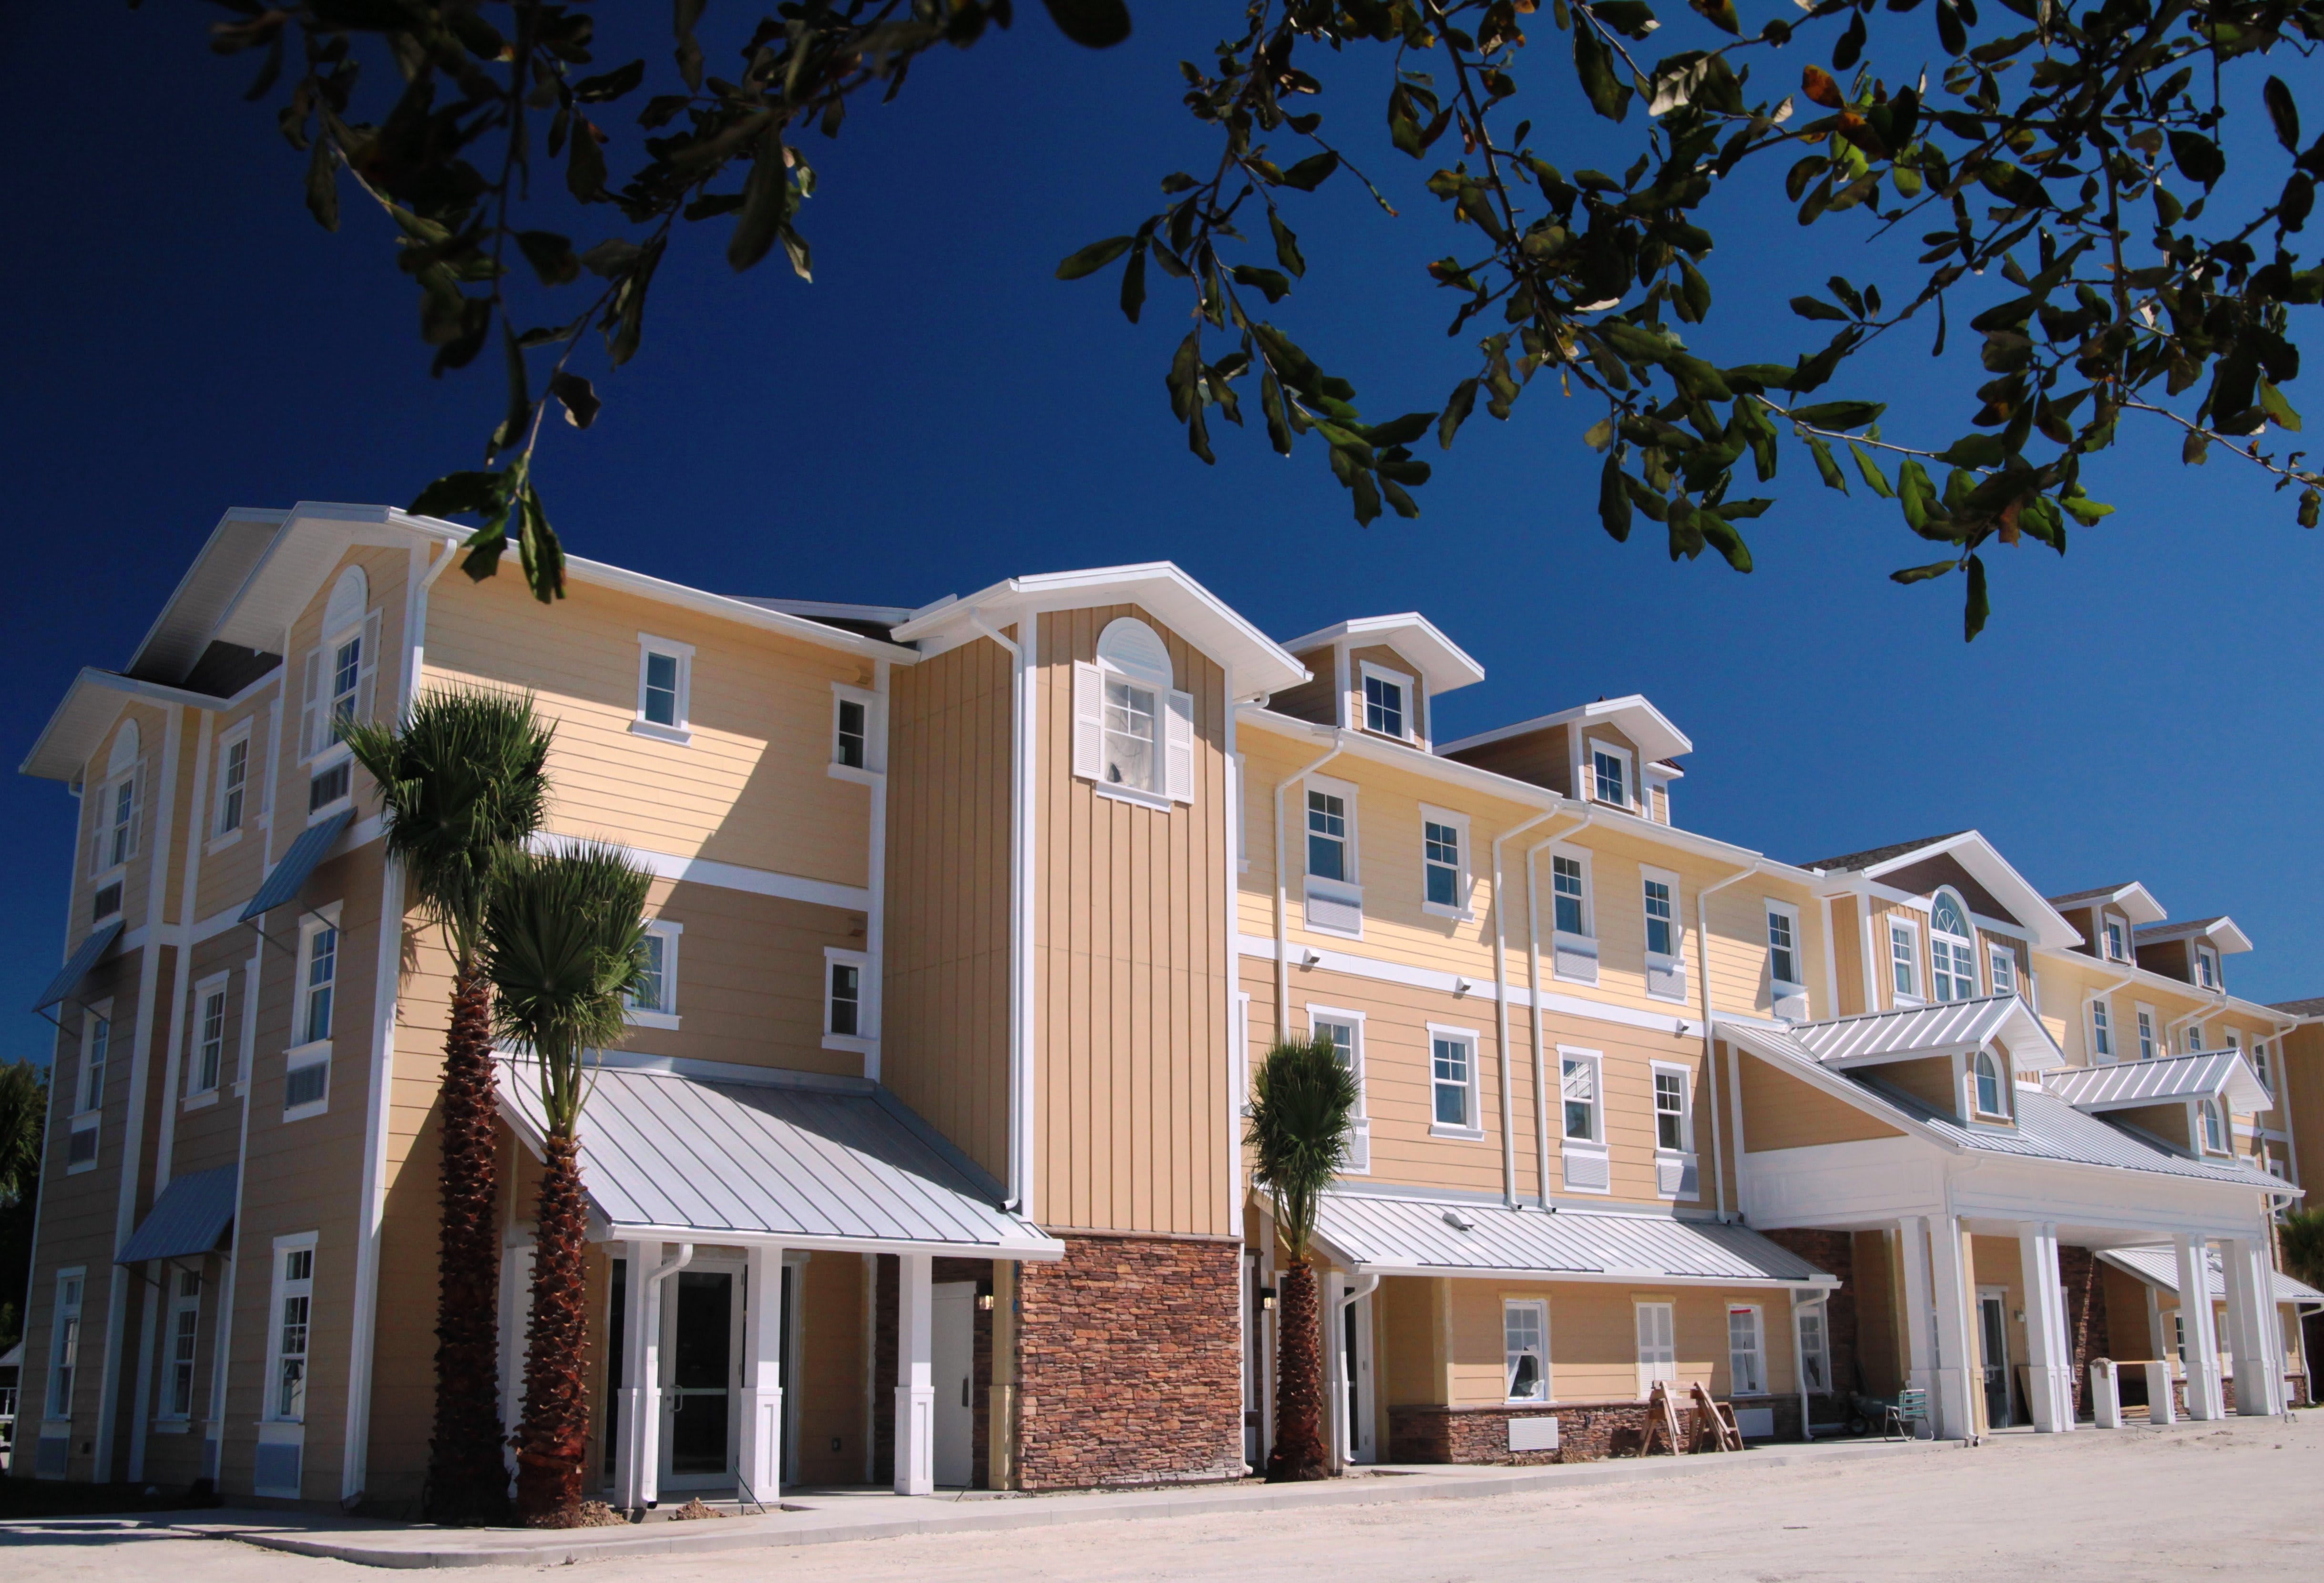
(1134, 973)
(945, 1039)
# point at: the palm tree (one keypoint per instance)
(2300, 1238)
(23, 1118)
(1300, 1102)
(461, 786)
(564, 947)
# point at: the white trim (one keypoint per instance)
(1591, 749)
(2097, 1018)
(1464, 875)
(1673, 962)
(1796, 986)
(1358, 1157)
(1547, 1391)
(1593, 1153)
(875, 736)
(679, 729)
(1686, 1154)
(663, 1013)
(242, 734)
(865, 1040)
(1409, 695)
(1917, 994)
(1656, 1370)
(1474, 1129)
(271, 1383)
(1758, 1354)
(221, 983)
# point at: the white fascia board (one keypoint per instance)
(1827, 1081)
(2133, 974)
(726, 607)
(1618, 1277)
(87, 710)
(1046, 1251)
(1453, 771)
(2044, 925)
(1672, 742)
(1445, 665)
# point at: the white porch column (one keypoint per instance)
(762, 1449)
(2251, 1316)
(636, 1453)
(916, 1393)
(1913, 1254)
(2195, 1319)
(1335, 1370)
(1948, 1294)
(2050, 1375)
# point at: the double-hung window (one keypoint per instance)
(232, 781)
(1344, 1031)
(665, 688)
(210, 1035)
(1525, 1349)
(307, 1076)
(2207, 967)
(96, 1051)
(2146, 1033)
(1578, 1087)
(2215, 1132)
(2194, 1037)
(1784, 945)
(853, 746)
(1388, 703)
(1676, 1175)
(1327, 836)
(1452, 1079)
(1904, 959)
(2115, 935)
(1662, 918)
(185, 1335)
(1952, 956)
(1815, 1350)
(848, 1013)
(1444, 860)
(1747, 1363)
(1992, 1098)
(1671, 1128)
(1133, 729)
(291, 1335)
(1334, 902)
(120, 842)
(2101, 1030)
(1582, 1092)
(2001, 962)
(1569, 885)
(340, 670)
(64, 1346)
(653, 1003)
(1609, 775)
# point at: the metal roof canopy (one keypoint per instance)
(2159, 1267)
(703, 1151)
(2211, 1074)
(190, 1217)
(1435, 1237)
(1946, 1027)
(289, 876)
(75, 969)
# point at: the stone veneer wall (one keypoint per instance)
(883, 1365)
(1587, 1431)
(1834, 1253)
(2086, 1317)
(1129, 1363)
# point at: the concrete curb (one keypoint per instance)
(858, 1518)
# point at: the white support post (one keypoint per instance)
(761, 1459)
(2050, 1373)
(2160, 1407)
(916, 1393)
(2259, 1384)
(637, 1455)
(1949, 1295)
(1913, 1254)
(2106, 1393)
(2203, 1365)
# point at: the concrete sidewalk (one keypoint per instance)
(835, 1518)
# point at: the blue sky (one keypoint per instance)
(935, 411)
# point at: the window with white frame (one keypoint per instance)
(1815, 1350)
(1904, 958)
(665, 688)
(209, 1033)
(1344, 1030)
(1388, 702)
(1660, 894)
(2101, 1030)
(653, 1003)
(114, 809)
(1444, 860)
(306, 1066)
(1952, 949)
(2215, 1132)
(1452, 1079)
(2259, 1063)
(96, 1051)
(851, 728)
(2207, 967)
(1747, 1360)
(1133, 730)
(2001, 965)
(1784, 947)
(846, 1002)
(1609, 774)
(341, 670)
(1657, 1346)
(1992, 1093)
(290, 1335)
(2117, 936)
(2194, 1038)
(1525, 1349)
(1673, 1118)
(184, 1337)
(1328, 843)
(2145, 1032)
(232, 781)
(1569, 884)
(1578, 1091)
(64, 1344)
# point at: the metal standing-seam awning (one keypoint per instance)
(190, 1217)
(2158, 1268)
(698, 1151)
(85, 956)
(1375, 1233)
(289, 875)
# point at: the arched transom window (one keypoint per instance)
(1133, 731)
(1952, 948)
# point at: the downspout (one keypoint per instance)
(1800, 1355)
(1710, 1055)
(1022, 741)
(875, 913)
(644, 1432)
(2198, 1017)
(1540, 1053)
(2282, 1096)
(1283, 892)
(1343, 1443)
(2107, 994)
(1501, 1011)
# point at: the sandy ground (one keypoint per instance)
(2239, 1498)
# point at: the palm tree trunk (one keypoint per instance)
(1298, 1452)
(467, 1472)
(550, 1441)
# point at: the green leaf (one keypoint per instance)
(2272, 402)
(461, 495)
(1921, 574)
(611, 258)
(1916, 496)
(687, 13)
(1974, 450)
(2086, 511)
(1633, 19)
(1721, 535)
(766, 202)
(1457, 407)
(1601, 434)
(1694, 292)
(2308, 502)
(1826, 468)
(1094, 257)
(1978, 608)
(584, 162)
(1133, 285)
(2198, 156)
(1839, 414)
(1874, 478)
(1401, 431)
(1096, 25)
(610, 84)
(1614, 501)
(1814, 308)
(550, 255)
(1609, 96)
(537, 548)
(1286, 244)
(1721, 13)
(578, 397)
(1272, 281)
(795, 248)
(2284, 113)
(323, 185)
(1309, 173)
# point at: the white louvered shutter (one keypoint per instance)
(1178, 725)
(367, 668)
(310, 736)
(136, 805)
(1089, 722)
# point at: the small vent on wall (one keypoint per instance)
(107, 904)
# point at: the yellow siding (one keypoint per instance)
(1781, 1112)
(1593, 1349)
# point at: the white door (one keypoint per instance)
(701, 1365)
(1357, 1339)
(952, 1347)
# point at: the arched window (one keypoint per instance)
(123, 756)
(2214, 1134)
(1133, 731)
(350, 596)
(1989, 1084)
(1952, 948)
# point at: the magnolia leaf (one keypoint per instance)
(1096, 25)
(1094, 257)
(2284, 113)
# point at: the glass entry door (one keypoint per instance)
(1992, 1335)
(701, 1331)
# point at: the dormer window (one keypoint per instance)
(1609, 775)
(2207, 967)
(1991, 1095)
(1904, 959)
(1388, 702)
(2116, 948)
(2215, 1132)
(1951, 955)
(1133, 731)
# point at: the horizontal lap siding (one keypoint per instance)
(945, 1039)
(1134, 969)
(233, 867)
(1593, 1347)
(1782, 1113)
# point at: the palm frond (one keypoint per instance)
(462, 782)
(2302, 1239)
(564, 944)
(1301, 1099)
